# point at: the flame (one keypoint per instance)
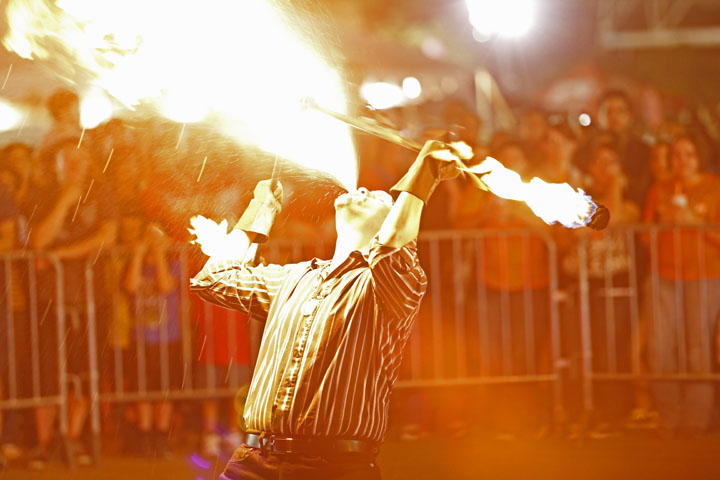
(552, 202)
(214, 239)
(237, 65)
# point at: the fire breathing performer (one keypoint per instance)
(335, 330)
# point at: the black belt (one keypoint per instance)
(309, 445)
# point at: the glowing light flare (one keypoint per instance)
(584, 119)
(95, 108)
(411, 87)
(10, 116)
(382, 95)
(236, 65)
(552, 202)
(508, 18)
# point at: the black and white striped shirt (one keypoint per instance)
(332, 343)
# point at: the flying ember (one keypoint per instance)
(237, 66)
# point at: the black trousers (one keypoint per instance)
(249, 463)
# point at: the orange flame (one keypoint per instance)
(552, 202)
(237, 65)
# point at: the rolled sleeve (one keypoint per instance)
(399, 280)
(238, 286)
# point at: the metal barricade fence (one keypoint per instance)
(34, 335)
(649, 306)
(491, 315)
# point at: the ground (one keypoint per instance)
(633, 457)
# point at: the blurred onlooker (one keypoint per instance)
(9, 214)
(515, 272)
(616, 117)
(686, 291)
(660, 170)
(224, 363)
(559, 146)
(608, 266)
(533, 127)
(152, 281)
(64, 108)
(74, 221)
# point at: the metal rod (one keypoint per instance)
(367, 125)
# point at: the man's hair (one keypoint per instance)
(616, 93)
(59, 101)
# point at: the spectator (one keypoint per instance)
(224, 365)
(608, 265)
(516, 278)
(64, 108)
(660, 170)
(74, 221)
(616, 117)
(687, 293)
(152, 280)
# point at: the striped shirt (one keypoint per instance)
(332, 343)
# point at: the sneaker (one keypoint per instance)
(603, 431)
(37, 458)
(413, 433)
(80, 454)
(211, 445)
(10, 451)
(162, 445)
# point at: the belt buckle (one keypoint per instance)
(283, 445)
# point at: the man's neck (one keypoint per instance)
(347, 242)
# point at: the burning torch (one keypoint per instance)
(550, 201)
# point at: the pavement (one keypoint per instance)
(473, 457)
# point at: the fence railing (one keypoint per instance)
(501, 307)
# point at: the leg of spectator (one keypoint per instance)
(699, 396)
(663, 356)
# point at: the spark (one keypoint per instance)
(108, 160)
(82, 135)
(182, 131)
(76, 209)
(7, 77)
(202, 169)
(102, 244)
(92, 182)
(45, 313)
(202, 347)
(22, 124)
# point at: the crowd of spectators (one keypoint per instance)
(120, 196)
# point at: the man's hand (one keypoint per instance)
(260, 214)
(437, 161)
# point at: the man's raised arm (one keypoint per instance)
(402, 224)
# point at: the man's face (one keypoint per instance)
(685, 160)
(616, 114)
(362, 210)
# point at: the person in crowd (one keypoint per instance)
(515, 277)
(534, 127)
(685, 288)
(350, 318)
(608, 266)
(615, 115)
(660, 169)
(74, 220)
(64, 108)
(223, 366)
(558, 148)
(152, 283)
(9, 213)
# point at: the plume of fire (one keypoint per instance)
(552, 202)
(237, 64)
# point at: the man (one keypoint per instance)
(335, 330)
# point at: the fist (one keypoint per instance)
(267, 195)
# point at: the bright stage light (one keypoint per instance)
(411, 87)
(382, 95)
(10, 117)
(507, 18)
(584, 119)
